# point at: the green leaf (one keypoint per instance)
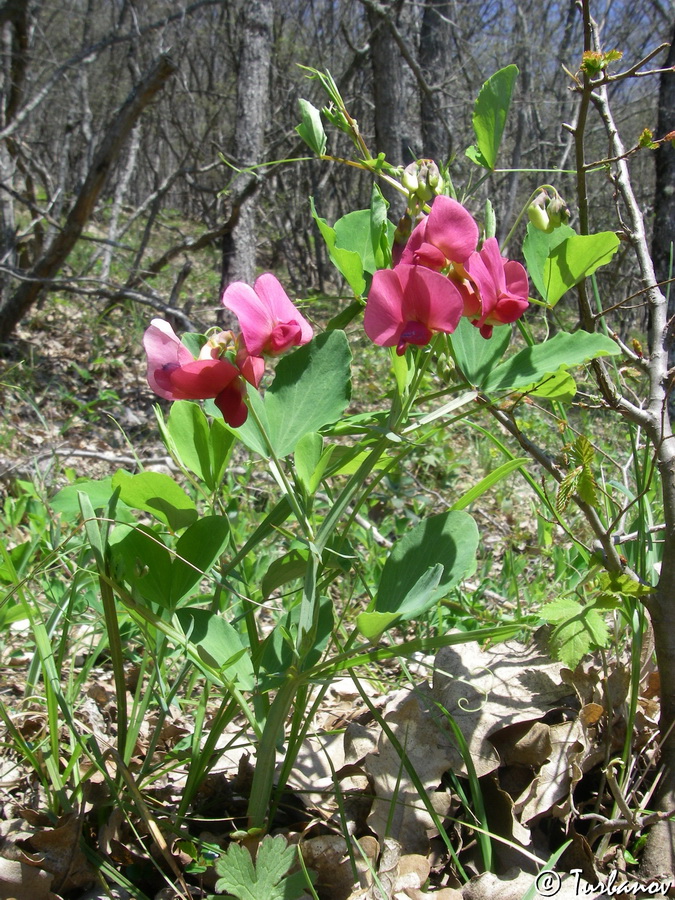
(311, 128)
(574, 259)
(202, 448)
(307, 455)
(490, 481)
(537, 246)
(99, 493)
(449, 539)
(562, 351)
(221, 442)
(347, 262)
(381, 229)
(419, 598)
(475, 356)
(346, 316)
(577, 629)
(193, 341)
(559, 386)
(217, 643)
(157, 494)
(277, 652)
(489, 116)
(197, 551)
(155, 573)
(289, 567)
(266, 879)
(143, 560)
(189, 431)
(311, 389)
(354, 232)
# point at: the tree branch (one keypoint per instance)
(109, 148)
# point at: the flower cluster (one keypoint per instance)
(269, 325)
(441, 276)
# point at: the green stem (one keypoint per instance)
(263, 774)
(282, 480)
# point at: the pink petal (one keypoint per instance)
(516, 279)
(383, 319)
(430, 256)
(452, 229)
(269, 321)
(231, 402)
(430, 298)
(251, 367)
(482, 278)
(415, 241)
(254, 315)
(269, 289)
(202, 379)
(413, 333)
(284, 336)
(164, 351)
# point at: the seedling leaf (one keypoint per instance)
(266, 879)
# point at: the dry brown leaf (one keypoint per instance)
(20, 881)
(523, 744)
(328, 856)
(559, 774)
(514, 885)
(486, 691)
(57, 850)
(429, 750)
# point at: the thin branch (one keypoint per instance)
(612, 557)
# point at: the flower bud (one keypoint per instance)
(537, 212)
(410, 180)
(558, 212)
(422, 179)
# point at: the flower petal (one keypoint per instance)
(255, 317)
(164, 351)
(202, 379)
(269, 321)
(251, 367)
(452, 229)
(283, 309)
(383, 319)
(232, 403)
(430, 298)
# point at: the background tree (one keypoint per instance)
(254, 24)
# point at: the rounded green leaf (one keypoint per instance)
(448, 540)
(157, 494)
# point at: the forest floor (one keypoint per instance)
(552, 765)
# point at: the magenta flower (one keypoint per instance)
(270, 324)
(173, 372)
(448, 235)
(407, 304)
(501, 286)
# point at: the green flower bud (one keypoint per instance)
(410, 181)
(537, 213)
(557, 211)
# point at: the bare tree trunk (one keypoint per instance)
(659, 856)
(664, 194)
(14, 307)
(436, 61)
(239, 246)
(120, 194)
(395, 89)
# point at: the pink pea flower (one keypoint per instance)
(407, 304)
(173, 372)
(270, 324)
(501, 286)
(448, 235)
